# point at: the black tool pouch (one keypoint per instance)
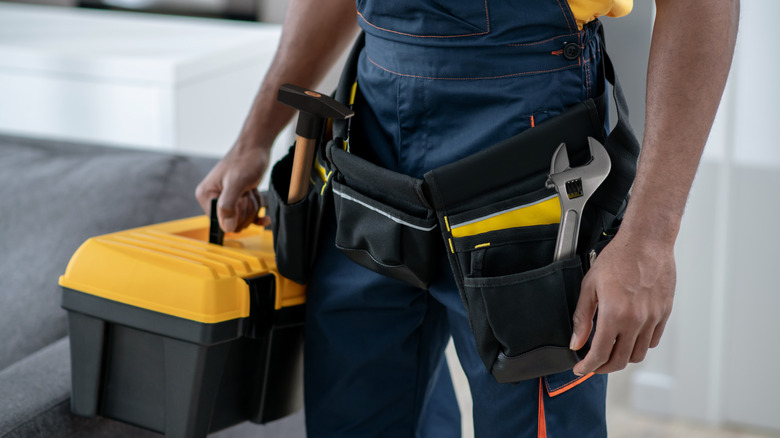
(295, 227)
(387, 227)
(501, 227)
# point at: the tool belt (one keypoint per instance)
(499, 230)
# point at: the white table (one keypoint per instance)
(129, 79)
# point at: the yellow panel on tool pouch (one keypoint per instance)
(543, 212)
(171, 268)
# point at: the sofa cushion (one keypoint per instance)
(55, 195)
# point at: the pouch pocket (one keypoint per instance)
(506, 237)
(295, 227)
(505, 252)
(383, 238)
(530, 314)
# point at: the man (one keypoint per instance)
(438, 81)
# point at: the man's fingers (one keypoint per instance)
(642, 345)
(228, 205)
(600, 351)
(620, 354)
(582, 321)
(249, 204)
(658, 332)
(204, 194)
(227, 218)
(243, 212)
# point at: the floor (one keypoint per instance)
(622, 421)
(625, 423)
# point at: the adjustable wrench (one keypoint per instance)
(574, 187)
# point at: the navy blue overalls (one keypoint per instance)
(439, 80)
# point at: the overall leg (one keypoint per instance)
(373, 350)
(440, 416)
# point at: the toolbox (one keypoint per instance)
(181, 336)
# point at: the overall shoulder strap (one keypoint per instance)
(344, 89)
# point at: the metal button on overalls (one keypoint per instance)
(440, 80)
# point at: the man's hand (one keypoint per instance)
(632, 286)
(234, 181)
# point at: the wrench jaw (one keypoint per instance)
(575, 186)
(598, 168)
(560, 160)
(559, 176)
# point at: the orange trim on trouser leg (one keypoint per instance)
(570, 385)
(542, 431)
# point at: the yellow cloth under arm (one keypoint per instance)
(586, 11)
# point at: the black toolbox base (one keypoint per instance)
(181, 388)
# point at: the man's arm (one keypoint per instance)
(632, 282)
(314, 34)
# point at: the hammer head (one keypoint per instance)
(314, 108)
(579, 181)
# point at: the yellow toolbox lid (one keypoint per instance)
(172, 269)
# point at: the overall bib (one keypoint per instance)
(438, 81)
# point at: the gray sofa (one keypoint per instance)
(53, 196)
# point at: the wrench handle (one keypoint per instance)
(568, 231)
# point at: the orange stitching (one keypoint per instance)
(587, 78)
(541, 431)
(586, 72)
(568, 35)
(487, 17)
(568, 386)
(432, 36)
(565, 16)
(468, 79)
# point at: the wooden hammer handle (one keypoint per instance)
(301, 169)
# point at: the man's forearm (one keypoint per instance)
(314, 34)
(690, 56)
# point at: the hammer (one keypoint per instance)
(314, 109)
